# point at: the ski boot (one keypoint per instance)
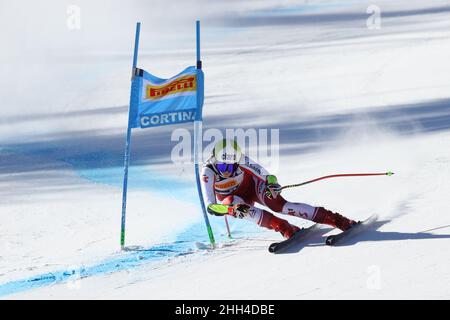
(272, 222)
(333, 219)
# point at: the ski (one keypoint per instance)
(357, 228)
(281, 246)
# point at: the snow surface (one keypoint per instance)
(345, 98)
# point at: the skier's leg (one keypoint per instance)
(316, 214)
(262, 217)
(270, 221)
(281, 205)
(333, 219)
(305, 211)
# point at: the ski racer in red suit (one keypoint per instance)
(232, 179)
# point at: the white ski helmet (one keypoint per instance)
(226, 156)
(226, 151)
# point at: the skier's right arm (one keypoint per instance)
(209, 196)
(208, 179)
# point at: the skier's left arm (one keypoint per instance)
(273, 188)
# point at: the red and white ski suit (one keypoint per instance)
(248, 186)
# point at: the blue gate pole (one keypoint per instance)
(128, 145)
(198, 141)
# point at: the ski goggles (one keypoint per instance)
(227, 167)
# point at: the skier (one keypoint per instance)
(233, 179)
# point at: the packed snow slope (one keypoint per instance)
(346, 93)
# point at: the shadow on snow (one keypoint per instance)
(370, 234)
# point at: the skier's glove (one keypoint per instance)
(218, 209)
(273, 189)
(239, 210)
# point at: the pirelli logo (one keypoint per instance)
(182, 84)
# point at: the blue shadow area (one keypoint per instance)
(184, 244)
(123, 261)
(95, 149)
(129, 259)
(302, 15)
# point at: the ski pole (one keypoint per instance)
(389, 173)
(228, 227)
